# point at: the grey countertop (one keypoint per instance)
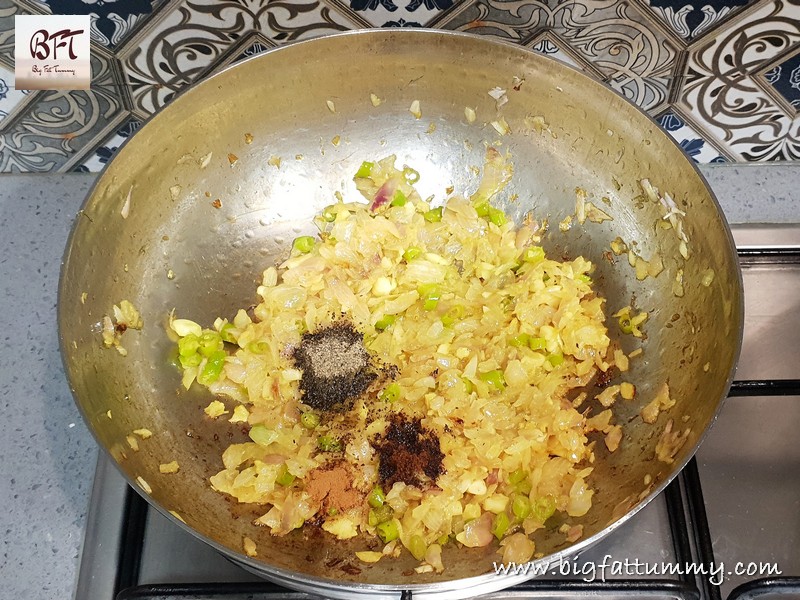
(48, 454)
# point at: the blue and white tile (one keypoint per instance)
(11, 99)
(184, 41)
(692, 143)
(692, 18)
(617, 37)
(550, 44)
(549, 48)
(254, 49)
(425, 10)
(8, 10)
(378, 12)
(58, 126)
(722, 92)
(394, 13)
(112, 20)
(401, 22)
(100, 157)
(505, 20)
(247, 46)
(737, 96)
(784, 79)
(619, 40)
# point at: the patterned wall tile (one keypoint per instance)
(246, 46)
(7, 11)
(722, 76)
(690, 18)
(12, 101)
(505, 20)
(624, 42)
(60, 125)
(550, 45)
(781, 79)
(725, 97)
(252, 48)
(98, 159)
(185, 39)
(700, 150)
(112, 21)
(395, 13)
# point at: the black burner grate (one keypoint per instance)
(785, 587)
(541, 589)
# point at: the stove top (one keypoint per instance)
(727, 527)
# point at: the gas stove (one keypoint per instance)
(727, 527)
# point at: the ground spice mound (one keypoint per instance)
(408, 452)
(332, 487)
(336, 367)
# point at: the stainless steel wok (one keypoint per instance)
(178, 164)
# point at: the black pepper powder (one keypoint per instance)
(336, 367)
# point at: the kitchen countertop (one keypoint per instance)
(48, 454)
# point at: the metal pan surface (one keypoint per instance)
(594, 139)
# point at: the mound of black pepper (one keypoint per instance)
(336, 367)
(408, 452)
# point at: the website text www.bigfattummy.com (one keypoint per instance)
(633, 567)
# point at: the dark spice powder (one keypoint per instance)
(408, 452)
(336, 367)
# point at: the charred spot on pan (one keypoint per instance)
(605, 377)
(251, 312)
(408, 452)
(314, 526)
(350, 569)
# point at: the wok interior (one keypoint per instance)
(596, 141)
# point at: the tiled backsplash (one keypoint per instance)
(721, 76)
